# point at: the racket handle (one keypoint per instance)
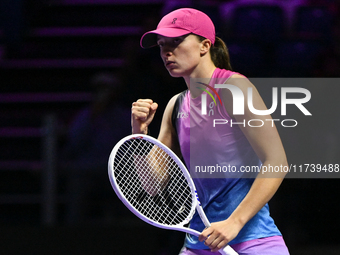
(228, 251)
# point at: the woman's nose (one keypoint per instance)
(166, 51)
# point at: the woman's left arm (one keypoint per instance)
(267, 144)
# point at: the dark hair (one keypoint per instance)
(219, 53)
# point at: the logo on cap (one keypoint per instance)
(174, 21)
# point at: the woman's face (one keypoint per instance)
(180, 55)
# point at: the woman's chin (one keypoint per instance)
(175, 74)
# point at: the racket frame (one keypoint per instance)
(196, 205)
(194, 197)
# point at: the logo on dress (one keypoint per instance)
(182, 115)
(204, 99)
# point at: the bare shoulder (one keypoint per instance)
(170, 107)
(240, 81)
(236, 86)
(172, 101)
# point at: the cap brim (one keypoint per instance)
(149, 39)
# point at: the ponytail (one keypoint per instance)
(219, 53)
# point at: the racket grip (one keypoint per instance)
(228, 251)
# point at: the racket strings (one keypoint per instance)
(152, 182)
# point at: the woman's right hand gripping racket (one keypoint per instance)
(155, 185)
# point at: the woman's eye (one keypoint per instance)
(177, 40)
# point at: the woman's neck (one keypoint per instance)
(204, 71)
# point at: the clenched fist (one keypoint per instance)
(142, 113)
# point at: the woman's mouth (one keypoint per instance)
(169, 63)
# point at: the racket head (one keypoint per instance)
(173, 205)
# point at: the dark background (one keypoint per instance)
(51, 49)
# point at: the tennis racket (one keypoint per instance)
(155, 185)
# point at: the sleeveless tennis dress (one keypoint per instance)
(212, 152)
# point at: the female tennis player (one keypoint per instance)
(237, 206)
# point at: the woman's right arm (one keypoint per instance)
(167, 133)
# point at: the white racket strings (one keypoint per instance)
(152, 182)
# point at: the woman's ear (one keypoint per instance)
(205, 46)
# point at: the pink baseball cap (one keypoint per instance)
(181, 22)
